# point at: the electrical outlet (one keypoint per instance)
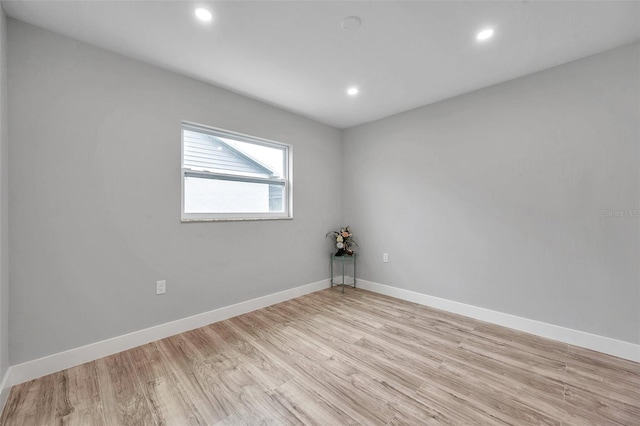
(161, 287)
(385, 257)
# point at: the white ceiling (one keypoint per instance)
(294, 54)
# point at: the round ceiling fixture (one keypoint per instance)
(203, 14)
(351, 23)
(352, 91)
(485, 34)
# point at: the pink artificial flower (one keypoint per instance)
(345, 234)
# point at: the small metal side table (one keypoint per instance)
(343, 260)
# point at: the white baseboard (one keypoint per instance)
(30, 370)
(602, 344)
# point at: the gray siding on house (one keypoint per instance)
(206, 152)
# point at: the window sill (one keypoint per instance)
(229, 219)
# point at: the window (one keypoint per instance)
(229, 176)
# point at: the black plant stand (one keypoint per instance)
(343, 259)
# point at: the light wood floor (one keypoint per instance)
(333, 359)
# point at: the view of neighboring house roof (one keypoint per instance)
(210, 153)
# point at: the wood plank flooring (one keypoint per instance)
(333, 359)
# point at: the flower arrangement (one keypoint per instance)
(344, 241)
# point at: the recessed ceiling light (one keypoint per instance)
(485, 34)
(352, 91)
(203, 14)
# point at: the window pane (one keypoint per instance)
(225, 196)
(218, 154)
(270, 157)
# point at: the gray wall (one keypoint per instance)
(499, 198)
(4, 206)
(95, 198)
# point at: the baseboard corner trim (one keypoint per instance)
(5, 388)
(33, 369)
(618, 348)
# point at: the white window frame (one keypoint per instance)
(287, 179)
